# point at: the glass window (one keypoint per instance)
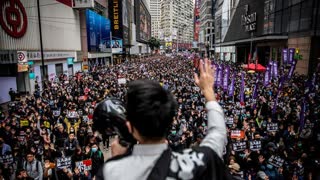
(306, 14)
(294, 18)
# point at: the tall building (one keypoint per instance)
(155, 11)
(176, 23)
(206, 39)
(264, 30)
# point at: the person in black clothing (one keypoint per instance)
(12, 94)
(96, 157)
(61, 135)
(70, 144)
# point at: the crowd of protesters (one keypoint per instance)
(273, 123)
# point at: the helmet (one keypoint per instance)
(110, 117)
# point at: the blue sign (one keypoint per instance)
(30, 63)
(70, 61)
(31, 75)
(98, 32)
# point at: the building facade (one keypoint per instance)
(75, 36)
(176, 23)
(155, 11)
(206, 40)
(266, 27)
(20, 55)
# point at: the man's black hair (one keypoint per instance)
(150, 108)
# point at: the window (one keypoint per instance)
(59, 69)
(268, 25)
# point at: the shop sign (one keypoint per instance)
(22, 56)
(85, 67)
(13, 19)
(8, 57)
(77, 4)
(249, 21)
(70, 61)
(23, 67)
(36, 55)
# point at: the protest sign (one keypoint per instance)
(196, 89)
(85, 119)
(239, 146)
(85, 165)
(309, 125)
(6, 159)
(72, 114)
(272, 127)
(237, 134)
(255, 145)
(63, 162)
(199, 108)
(276, 161)
(56, 113)
(24, 123)
(122, 81)
(229, 120)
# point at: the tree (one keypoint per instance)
(154, 43)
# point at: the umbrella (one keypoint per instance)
(252, 66)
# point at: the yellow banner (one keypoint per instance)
(24, 123)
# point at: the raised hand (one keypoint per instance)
(206, 80)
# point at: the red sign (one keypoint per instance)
(196, 20)
(14, 19)
(237, 134)
(66, 2)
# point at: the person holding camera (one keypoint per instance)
(150, 112)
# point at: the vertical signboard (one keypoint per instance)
(115, 15)
(196, 20)
(143, 19)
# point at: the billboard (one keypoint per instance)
(196, 20)
(125, 21)
(115, 15)
(117, 45)
(143, 22)
(98, 32)
(119, 15)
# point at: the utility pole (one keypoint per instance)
(41, 45)
(111, 47)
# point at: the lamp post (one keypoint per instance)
(41, 45)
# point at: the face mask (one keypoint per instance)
(94, 149)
